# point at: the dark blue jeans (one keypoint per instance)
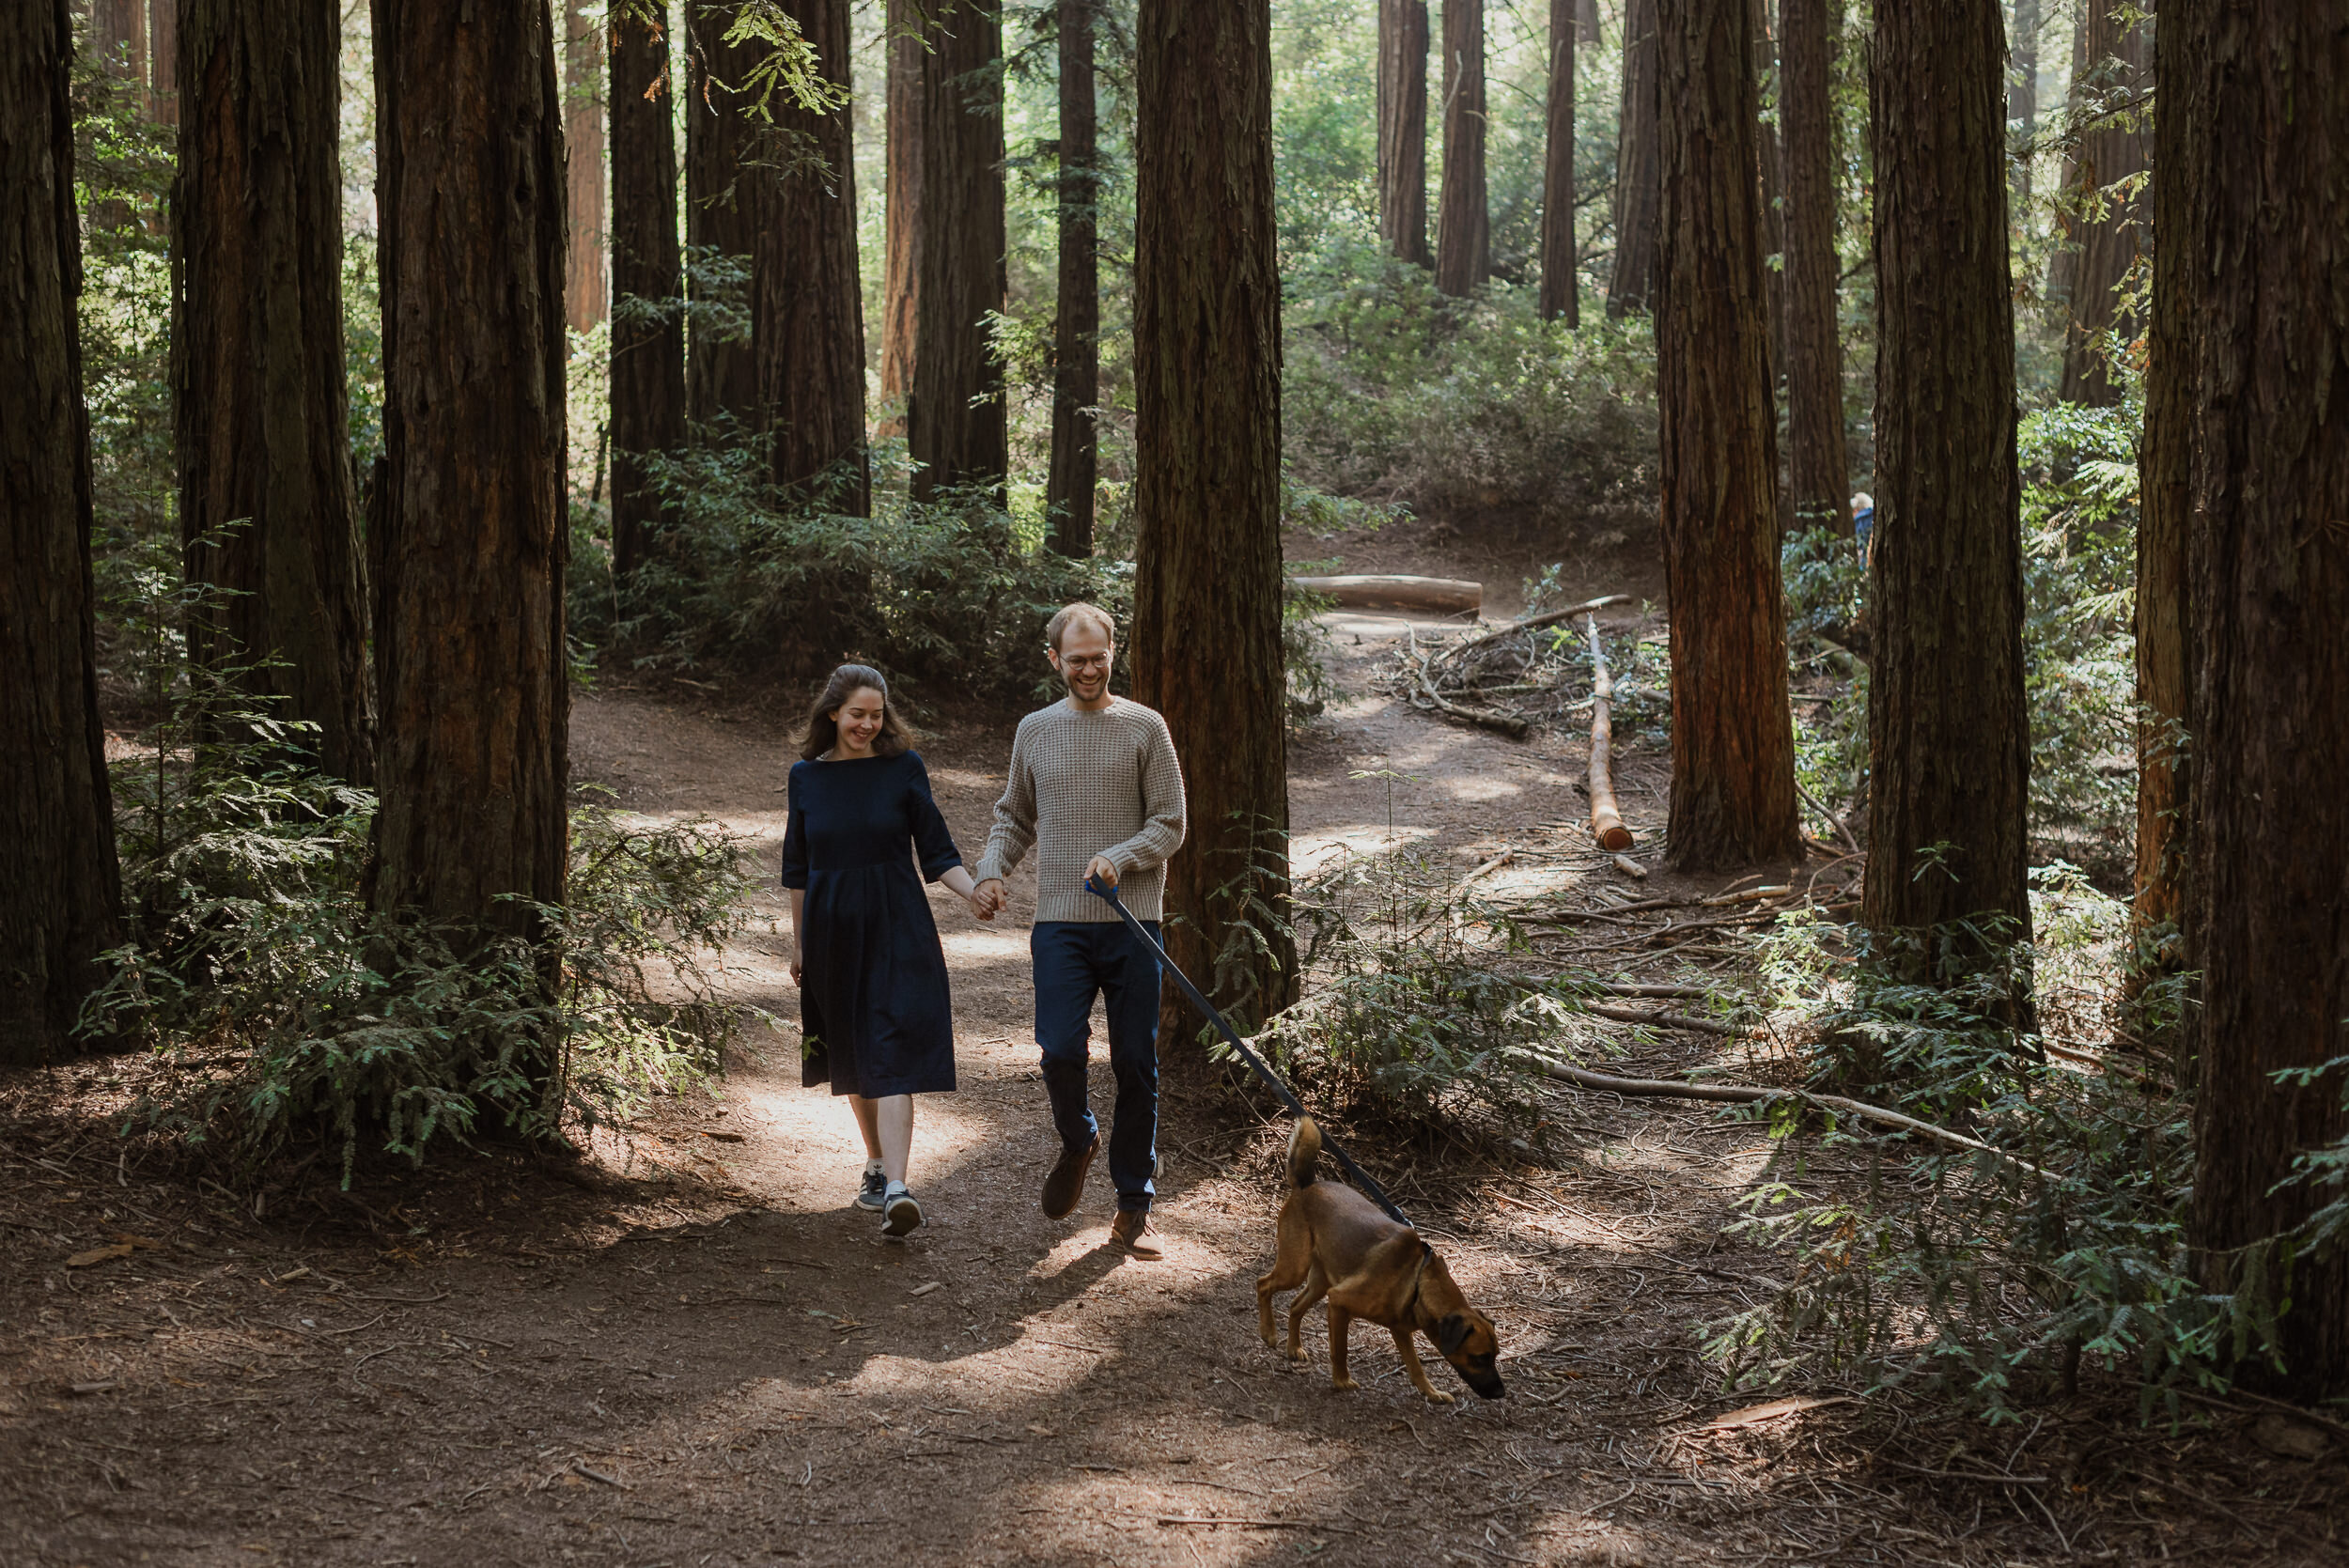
(1075, 960)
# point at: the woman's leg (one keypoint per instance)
(892, 1117)
(865, 1123)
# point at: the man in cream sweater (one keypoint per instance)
(1097, 791)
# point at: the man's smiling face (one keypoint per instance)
(1083, 658)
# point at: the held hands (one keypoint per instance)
(987, 899)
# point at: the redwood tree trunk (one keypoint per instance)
(1586, 11)
(1207, 486)
(2267, 920)
(469, 600)
(163, 66)
(902, 194)
(2022, 97)
(583, 142)
(723, 215)
(807, 304)
(1947, 735)
(2165, 469)
(1733, 799)
(954, 418)
(1077, 319)
(269, 509)
(1403, 130)
(1818, 470)
(60, 885)
(2108, 239)
(1559, 292)
(1770, 187)
(1463, 223)
(1637, 169)
(647, 373)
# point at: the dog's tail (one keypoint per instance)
(1304, 1148)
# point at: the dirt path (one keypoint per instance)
(707, 1357)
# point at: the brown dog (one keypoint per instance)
(1334, 1242)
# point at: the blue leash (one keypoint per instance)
(1231, 1037)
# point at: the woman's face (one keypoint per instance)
(860, 720)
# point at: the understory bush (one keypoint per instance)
(283, 1008)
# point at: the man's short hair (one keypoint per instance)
(1069, 614)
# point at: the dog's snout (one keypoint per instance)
(1489, 1388)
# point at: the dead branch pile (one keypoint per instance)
(1510, 680)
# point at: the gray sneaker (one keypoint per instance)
(874, 1192)
(903, 1216)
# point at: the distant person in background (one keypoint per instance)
(874, 1006)
(1864, 521)
(1096, 790)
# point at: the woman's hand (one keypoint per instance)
(982, 906)
(957, 881)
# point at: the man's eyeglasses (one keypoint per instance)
(1085, 662)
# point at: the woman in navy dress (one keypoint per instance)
(873, 998)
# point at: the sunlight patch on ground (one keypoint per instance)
(1324, 847)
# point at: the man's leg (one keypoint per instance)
(1129, 988)
(1063, 1015)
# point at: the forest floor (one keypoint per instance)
(690, 1349)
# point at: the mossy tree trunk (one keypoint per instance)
(1207, 589)
(470, 654)
(60, 885)
(648, 366)
(2268, 911)
(1733, 797)
(269, 509)
(955, 418)
(1948, 732)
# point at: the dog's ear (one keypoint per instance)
(1452, 1333)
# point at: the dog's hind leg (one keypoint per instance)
(1291, 1266)
(1340, 1321)
(1316, 1286)
(1410, 1352)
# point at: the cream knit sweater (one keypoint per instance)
(1104, 782)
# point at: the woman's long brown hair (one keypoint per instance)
(823, 730)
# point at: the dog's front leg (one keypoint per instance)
(1410, 1352)
(1340, 1321)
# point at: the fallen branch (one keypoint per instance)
(1742, 1094)
(1820, 806)
(1530, 623)
(1670, 1021)
(1606, 819)
(1502, 724)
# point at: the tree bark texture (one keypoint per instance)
(60, 885)
(1948, 733)
(117, 35)
(723, 217)
(2267, 920)
(1463, 219)
(585, 301)
(1076, 317)
(1586, 12)
(2064, 256)
(2022, 97)
(2165, 469)
(1638, 170)
(1818, 467)
(1771, 195)
(648, 366)
(269, 508)
(1733, 797)
(470, 661)
(955, 417)
(162, 48)
(1559, 295)
(1403, 130)
(1207, 489)
(2109, 242)
(902, 114)
(807, 303)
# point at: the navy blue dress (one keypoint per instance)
(873, 998)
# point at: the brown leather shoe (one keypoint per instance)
(1132, 1231)
(1066, 1183)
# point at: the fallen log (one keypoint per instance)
(1741, 1094)
(1432, 595)
(1606, 820)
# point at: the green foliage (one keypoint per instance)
(1390, 389)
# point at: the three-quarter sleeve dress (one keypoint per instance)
(874, 1005)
